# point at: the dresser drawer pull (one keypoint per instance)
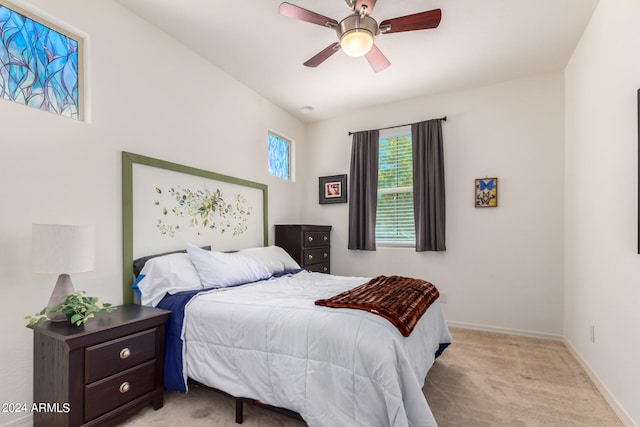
(325, 268)
(124, 353)
(125, 387)
(325, 238)
(310, 238)
(310, 257)
(325, 254)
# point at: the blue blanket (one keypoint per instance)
(173, 373)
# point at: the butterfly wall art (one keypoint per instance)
(486, 193)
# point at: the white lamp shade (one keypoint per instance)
(62, 248)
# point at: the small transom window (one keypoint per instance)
(279, 157)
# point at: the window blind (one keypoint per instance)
(394, 212)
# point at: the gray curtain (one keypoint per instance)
(363, 186)
(428, 185)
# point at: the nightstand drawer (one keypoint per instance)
(315, 238)
(314, 256)
(319, 268)
(117, 355)
(112, 392)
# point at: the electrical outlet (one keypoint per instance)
(592, 332)
(443, 297)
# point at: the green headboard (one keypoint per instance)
(239, 209)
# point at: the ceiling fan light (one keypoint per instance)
(356, 42)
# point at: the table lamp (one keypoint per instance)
(62, 249)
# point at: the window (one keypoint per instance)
(279, 156)
(394, 213)
(39, 63)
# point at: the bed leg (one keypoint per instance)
(239, 415)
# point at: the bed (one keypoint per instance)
(247, 323)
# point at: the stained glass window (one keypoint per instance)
(279, 156)
(38, 64)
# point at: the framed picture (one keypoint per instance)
(486, 193)
(333, 189)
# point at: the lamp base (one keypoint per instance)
(63, 287)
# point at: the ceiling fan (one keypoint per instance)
(357, 31)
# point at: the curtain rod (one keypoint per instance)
(444, 119)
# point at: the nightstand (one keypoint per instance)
(309, 245)
(102, 372)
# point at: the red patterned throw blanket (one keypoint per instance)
(401, 300)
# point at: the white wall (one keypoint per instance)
(601, 228)
(503, 268)
(147, 95)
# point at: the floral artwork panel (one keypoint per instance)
(38, 65)
(204, 208)
(486, 193)
(172, 209)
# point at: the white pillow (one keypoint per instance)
(171, 274)
(220, 269)
(274, 258)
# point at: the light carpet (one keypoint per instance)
(482, 379)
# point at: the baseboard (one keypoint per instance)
(520, 332)
(625, 418)
(26, 421)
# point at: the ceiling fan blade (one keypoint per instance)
(296, 12)
(369, 4)
(323, 55)
(376, 59)
(417, 21)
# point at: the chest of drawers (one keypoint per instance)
(309, 245)
(101, 372)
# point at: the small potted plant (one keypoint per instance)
(77, 307)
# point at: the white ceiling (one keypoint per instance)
(478, 42)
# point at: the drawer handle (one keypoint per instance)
(325, 238)
(325, 268)
(325, 254)
(124, 353)
(310, 257)
(310, 238)
(125, 387)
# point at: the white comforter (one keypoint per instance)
(335, 367)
